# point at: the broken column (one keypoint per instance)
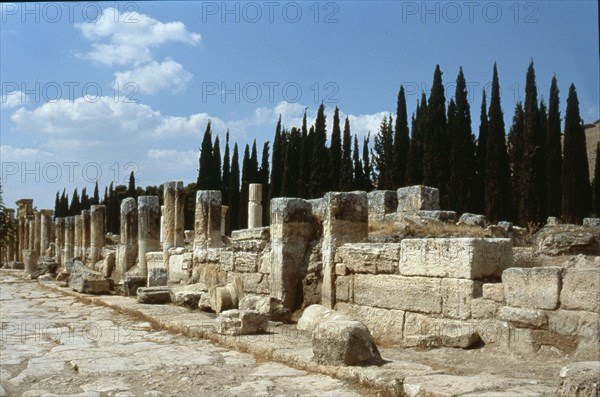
(292, 229)
(10, 249)
(207, 225)
(85, 233)
(59, 240)
(148, 230)
(69, 238)
(128, 248)
(97, 232)
(45, 230)
(30, 258)
(346, 221)
(224, 211)
(31, 232)
(78, 226)
(24, 208)
(173, 215)
(37, 231)
(254, 205)
(162, 222)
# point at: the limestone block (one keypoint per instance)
(523, 317)
(264, 262)
(369, 257)
(207, 223)
(493, 291)
(536, 287)
(584, 326)
(226, 261)
(581, 289)
(132, 282)
(344, 342)
(319, 207)
(494, 332)
(259, 233)
(245, 262)
(472, 220)
(381, 202)
(344, 288)
(241, 322)
(439, 216)
(180, 267)
(482, 308)
(341, 269)
(415, 198)
(457, 295)
(313, 315)
(187, 297)
(417, 294)
(267, 305)
(83, 279)
(157, 277)
(428, 332)
(579, 380)
(385, 325)
(210, 275)
(256, 283)
(154, 295)
(591, 222)
(470, 258)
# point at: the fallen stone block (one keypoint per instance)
(472, 220)
(241, 322)
(437, 216)
(581, 379)
(154, 295)
(567, 239)
(85, 280)
(271, 307)
(313, 315)
(520, 317)
(188, 296)
(536, 288)
(429, 333)
(581, 289)
(591, 222)
(415, 198)
(131, 283)
(15, 265)
(582, 325)
(470, 258)
(344, 342)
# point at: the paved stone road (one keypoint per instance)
(53, 345)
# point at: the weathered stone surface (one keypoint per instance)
(493, 291)
(313, 315)
(417, 294)
(344, 342)
(180, 268)
(148, 229)
(83, 279)
(385, 325)
(267, 305)
(482, 308)
(154, 295)
(457, 295)
(581, 289)
(226, 261)
(580, 379)
(173, 219)
(591, 222)
(472, 220)
(471, 258)
(245, 262)
(493, 332)
(344, 288)
(584, 326)
(369, 257)
(381, 202)
(131, 283)
(188, 296)
(416, 198)
(566, 239)
(157, 277)
(427, 332)
(259, 233)
(44, 265)
(254, 205)
(523, 317)
(241, 322)
(536, 287)
(425, 216)
(207, 219)
(30, 258)
(97, 231)
(553, 221)
(319, 208)
(209, 276)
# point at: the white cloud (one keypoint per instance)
(127, 38)
(9, 153)
(154, 77)
(186, 158)
(13, 99)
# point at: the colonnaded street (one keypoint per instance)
(53, 345)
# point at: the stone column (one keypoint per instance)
(31, 232)
(254, 205)
(45, 230)
(292, 229)
(179, 215)
(30, 258)
(162, 222)
(85, 233)
(11, 248)
(69, 249)
(346, 221)
(59, 240)
(207, 227)
(97, 232)
(78, 226)
(128, 248)
(37, 231)
(148, 230)
(24, 208)
(173, 215)
(20, 238)
(224, 211)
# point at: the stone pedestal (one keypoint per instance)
(30, 258)
(148, 230)
(97, 232)
(254, 205)
(208, 219)
(173, 215)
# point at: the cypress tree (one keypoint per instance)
(64, 203)
(131, 192)
(359, 175)
(415, 152)
(305, 159)
(553, 153)
(96, 198)
(206, 161)
(534, 176)
(244, 188)
(515, 154)
(435, 156)
(596, 192)
(497, 173)
(293, 149)
(57, 205)
(226, 171)
(462, 150)
(85, 200)
(75, 207)
(335, 153)
(576, 175)
(234, 191)
(367, 169)
(320, 157)
(346, 166)
(215, 175)
(277, 162)
(264, 179)
(383, 149)
(401, 143)
(479, 185)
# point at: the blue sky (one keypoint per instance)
(120, 86)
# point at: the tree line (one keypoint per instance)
(536, 170)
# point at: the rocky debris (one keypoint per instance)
(45, 265)
(567, 239)
(271, 307)
(107, 264)
(553, 221)
(344, 342)
(507, 226)
(154, 295)
(241, 322)
(188, 296)
(131, 283)
(313, 315)
(85, 280)
(592, 222)
(472, 220)
(581, 379)
(221, 298)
